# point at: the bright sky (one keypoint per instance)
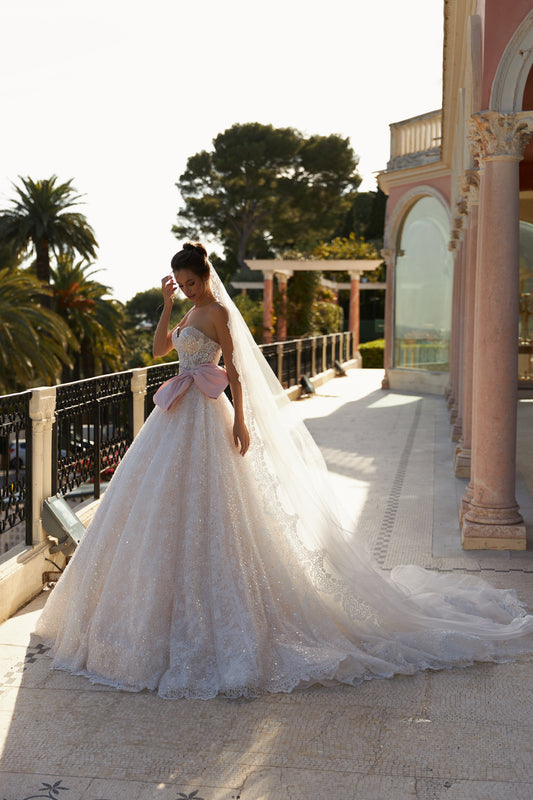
(117, 94)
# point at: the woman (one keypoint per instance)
(217, 561)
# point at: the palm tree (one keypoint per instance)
(33, 340)
(95, 319)
(41, 221)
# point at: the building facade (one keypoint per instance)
(459, 253)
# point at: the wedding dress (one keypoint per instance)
(204, 572)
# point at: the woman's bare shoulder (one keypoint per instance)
(218, 312)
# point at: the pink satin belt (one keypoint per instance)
(210, 379)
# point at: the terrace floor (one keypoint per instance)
(459, 734)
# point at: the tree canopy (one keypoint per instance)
(41, 220)
(34, 342)
(96, 320)
(262, 190)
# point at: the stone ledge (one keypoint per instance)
(295, 392)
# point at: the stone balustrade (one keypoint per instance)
(415, 141)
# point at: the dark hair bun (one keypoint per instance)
(192, 256)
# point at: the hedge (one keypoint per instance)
(373, 354)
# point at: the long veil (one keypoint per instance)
(362, 597)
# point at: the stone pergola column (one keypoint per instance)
(354, 318)
(462, 458)
(268, 305)
(492, 519)
(283, 278)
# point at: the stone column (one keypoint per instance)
(463, 450)
(388, 256)
(354, 319)
(492, 519)
(268, 305)
(283, 278)
(42, 413)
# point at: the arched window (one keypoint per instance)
(423, 289)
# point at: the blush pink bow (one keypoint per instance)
(210, 379)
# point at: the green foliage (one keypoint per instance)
(142, 315)
(35, 342)
(328, 316)
(373, 354)
(96, 320)
(366, 217)
(41, 220)
(262, 190)
(345, 247)
(301, 293)
(252, 312)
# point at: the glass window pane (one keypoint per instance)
(423, 289)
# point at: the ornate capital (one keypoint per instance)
(43, 404)
(495, 135)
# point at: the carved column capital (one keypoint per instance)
(495, 135)
(43, 405)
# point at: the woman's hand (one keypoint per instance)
(241, 437)
(168, 287)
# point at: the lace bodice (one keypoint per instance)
(194, 347)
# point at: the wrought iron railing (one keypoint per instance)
(15, 472)
(155, 377)
(92, 431)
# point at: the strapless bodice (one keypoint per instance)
(194, 347)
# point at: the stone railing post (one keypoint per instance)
(139, 380)
(298, 359)
(279, 351)
(42, 408)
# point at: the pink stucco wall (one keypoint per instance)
(499, 20)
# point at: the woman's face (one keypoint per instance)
(192, 286)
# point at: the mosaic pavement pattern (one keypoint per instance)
(463, 734)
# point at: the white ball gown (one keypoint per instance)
(203, 573)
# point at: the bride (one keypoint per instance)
(218, 562)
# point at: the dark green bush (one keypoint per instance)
(372, 354)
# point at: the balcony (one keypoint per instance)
(415, 141)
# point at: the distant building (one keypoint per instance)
(459, 253)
